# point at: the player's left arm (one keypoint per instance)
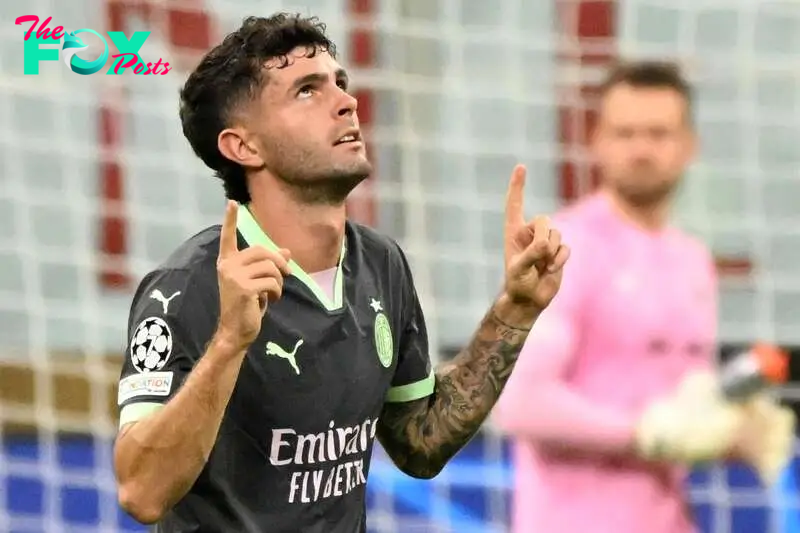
(421, 434)
(427, 420)
(766, 437)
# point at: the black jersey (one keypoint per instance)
(293, 451)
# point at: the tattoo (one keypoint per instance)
(422, 436)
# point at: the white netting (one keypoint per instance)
(463, 90)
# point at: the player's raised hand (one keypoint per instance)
(248, 280)
(534, 254)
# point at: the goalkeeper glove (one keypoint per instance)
(694, 425)
(766, 439)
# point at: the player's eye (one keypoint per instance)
(305, 91)
(342, 84)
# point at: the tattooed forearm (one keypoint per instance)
(421, 436)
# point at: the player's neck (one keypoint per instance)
(312, 233)
(652, 217)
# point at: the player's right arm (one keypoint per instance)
(166, 437)
(538, 403)
(164, 442)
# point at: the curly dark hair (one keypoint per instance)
(233, 73)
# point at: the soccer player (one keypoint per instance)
(615, 392)
(268, 353)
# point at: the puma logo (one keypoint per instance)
(159, 297)
(277, 351)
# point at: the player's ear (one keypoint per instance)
(236, 145)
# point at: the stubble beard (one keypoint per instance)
(649, 196)
(315, 180)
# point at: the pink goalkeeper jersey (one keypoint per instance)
(635, 311)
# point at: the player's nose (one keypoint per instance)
(347, 105)
(643, 148)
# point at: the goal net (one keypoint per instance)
(98, 185)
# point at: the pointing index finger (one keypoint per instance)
(228, 244)
(514, 197)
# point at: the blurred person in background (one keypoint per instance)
(615, 395)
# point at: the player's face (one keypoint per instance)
(308, 128)
(644, 142)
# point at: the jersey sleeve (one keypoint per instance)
(413, 377)
(550, 349)
(541, 375)
(168, 328)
